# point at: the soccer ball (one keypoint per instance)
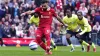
(33, 45)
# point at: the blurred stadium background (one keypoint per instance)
(17, 29)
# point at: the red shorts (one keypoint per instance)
(40, 32)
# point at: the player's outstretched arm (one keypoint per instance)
(59, 19)
(27, 12)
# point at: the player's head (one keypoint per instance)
(68, 12)
(45, 4)
(35, 15)
(80, 15)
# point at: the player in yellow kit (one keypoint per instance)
(72, 29)
(35, 20)
(85, 30)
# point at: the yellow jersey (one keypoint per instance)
(84, 25)
(71, 22)
(34, 20)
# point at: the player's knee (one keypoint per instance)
(67, 39)
(90, 42)
(38, 37)
(47, 32)
(43, 39)
(47, 36)
(80, 41)
(68, 36)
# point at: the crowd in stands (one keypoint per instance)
(16, 25)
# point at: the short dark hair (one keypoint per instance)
(68, 10)
(45, 1)
(36, 14)
(79, 12)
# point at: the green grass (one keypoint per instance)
(62, 51)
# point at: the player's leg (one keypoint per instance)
(68, 35)
(83, 48)
(39, 39)
(90, 41)
(1, 40)
(53, 43)
(82, 41)
(2, 44)
(48, 42)
(43, 39)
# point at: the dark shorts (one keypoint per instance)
(72, 33)
(86, 36)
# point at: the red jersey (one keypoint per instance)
(45, 16)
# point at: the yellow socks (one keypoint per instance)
(93, 45)
(52, 42)
(84, 43)
(72, 45)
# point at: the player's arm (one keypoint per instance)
(30, 12)
(83, 31)
(58, 18)
(27, 12)
(85, 27)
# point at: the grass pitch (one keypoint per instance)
(62, 51)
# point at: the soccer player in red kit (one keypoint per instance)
(45, 15)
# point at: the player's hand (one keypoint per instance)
(65, 26)
(23, 14)
(78, 35)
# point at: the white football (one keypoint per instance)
(33, 45)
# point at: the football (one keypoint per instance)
(33, 45)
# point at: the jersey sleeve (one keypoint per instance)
(85, 27)
(37, 10)
(54, 13)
